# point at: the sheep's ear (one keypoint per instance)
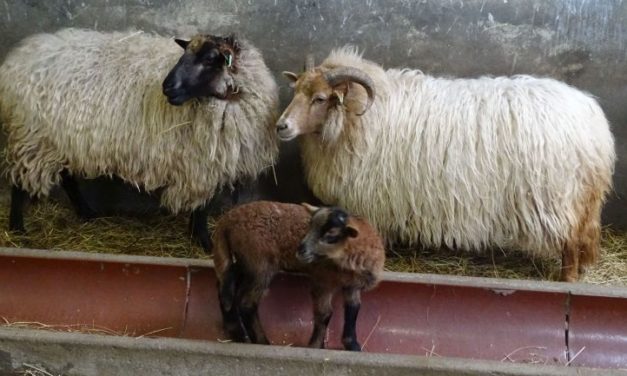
(351, 231)
(310, 208)
(293, 77)
(231, 40)
(341, 90)
(182, 42)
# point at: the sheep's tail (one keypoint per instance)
(227, 271)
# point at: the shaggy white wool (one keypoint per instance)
(466, 163)
(91, 102)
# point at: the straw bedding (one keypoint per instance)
(53, 225)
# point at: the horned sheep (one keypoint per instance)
(514, 163)
(253, 242)
(87, 103)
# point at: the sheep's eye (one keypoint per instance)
(210, 58)
(330, 239)
(319, 99)
(332, 236)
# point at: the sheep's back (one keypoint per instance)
(92, 96)
(91, 102)
(468, 163)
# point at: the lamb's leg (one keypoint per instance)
(19, 197)
(230, 314)
(352, 302)
(70, 185)
(198, 227)
(250, 292)
(323, 309)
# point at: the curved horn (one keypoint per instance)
(309, 62)
(344, 74)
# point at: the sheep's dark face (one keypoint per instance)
(204, 70)
(328, 231)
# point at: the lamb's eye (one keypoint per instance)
(329, 239)
(332, 236)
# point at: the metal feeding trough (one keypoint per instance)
(431, 318)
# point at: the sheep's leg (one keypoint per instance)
(198, 227)
(70, 185)
(230, 314)
(235, 193)
(570, 263)
(199, 217)
(323, 309)
(352, 303)
(19, 197)
(250, 291)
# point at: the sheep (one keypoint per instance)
(87, 103)
(518, 163)
(253, 242)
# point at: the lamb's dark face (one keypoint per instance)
(328, 231)
(204, 70)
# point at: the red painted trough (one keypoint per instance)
(475, 318)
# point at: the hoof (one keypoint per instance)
(20, 230)
(237, 334)
(86, 214)
(239, 337)
(354, 346)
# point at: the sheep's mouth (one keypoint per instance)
(177, 100)
(287, 137)
(305, 258)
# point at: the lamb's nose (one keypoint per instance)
(281, 127)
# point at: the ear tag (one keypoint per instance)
(340, 96)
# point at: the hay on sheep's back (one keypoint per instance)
(54, 226)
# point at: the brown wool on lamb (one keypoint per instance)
(253, 242)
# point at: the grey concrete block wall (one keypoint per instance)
(582, 42)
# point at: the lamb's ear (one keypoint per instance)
(293, 77)
(310, 208)
(182, 42)
(351, 231)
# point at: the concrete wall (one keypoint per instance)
(23, 350)
(582, 42)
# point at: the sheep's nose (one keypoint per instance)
(168, 88)
(281, 127)
(170, 85)
(301, 248)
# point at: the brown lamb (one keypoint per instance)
(255, 241)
